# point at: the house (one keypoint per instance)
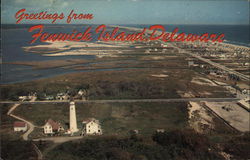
(52, 127)
(62, 96)
(82, 94)
(160, 130)
(246, 91)
(91, 126)
(20, 126)
(22, 98)
(135, 131)
(49, 98)
(29, 97)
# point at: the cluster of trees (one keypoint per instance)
(131, 89)
(178, 144)
(98, 90)
(239, 146)
(13, 92)
(185, 144)
(17, 150)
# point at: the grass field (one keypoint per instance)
(117, 118)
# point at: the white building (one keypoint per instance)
(91, 127)
(160, 130)
(82, 94)
(62, 96)
(28, 97)
(72, 118)
(246, 91)
(52, 127)
(20, 126)
(22, 98)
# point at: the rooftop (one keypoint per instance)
(19, 124)
(54, 125)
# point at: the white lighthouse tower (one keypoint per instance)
(72, 118)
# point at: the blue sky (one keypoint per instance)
(137, 11)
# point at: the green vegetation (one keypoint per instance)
(137, 82)
(115, 118)
(143, 81)
(12, 146)
(178, 144)
(175, 144)
(238, 146)
(5, 119)
(17, 150)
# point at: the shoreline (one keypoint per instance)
(113, 52)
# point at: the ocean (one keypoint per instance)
(14, 37)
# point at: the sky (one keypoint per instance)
(136, 11)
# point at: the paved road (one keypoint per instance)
(242, 76)
(159, 100)
(129, 100)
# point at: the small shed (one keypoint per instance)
(20, 126)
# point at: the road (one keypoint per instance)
(128, 100)
(39, 153)
(30, 125)
(242, 76)
(12, 109)
(62, 139)
(57, 141)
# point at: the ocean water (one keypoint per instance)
(14, 37)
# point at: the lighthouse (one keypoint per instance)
(72, 118)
